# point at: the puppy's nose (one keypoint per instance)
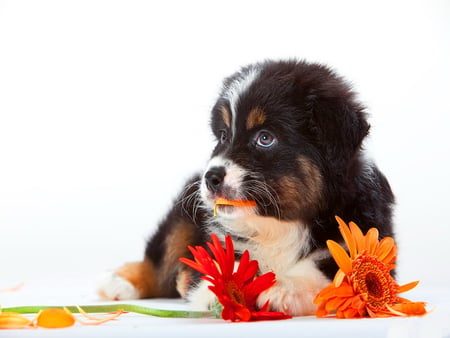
(214, 178)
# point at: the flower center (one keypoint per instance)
(235, 293)
(371, 277)
(374, 286)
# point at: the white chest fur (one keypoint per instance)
(276, 245)
(281, 247)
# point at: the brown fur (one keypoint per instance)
(226, 116)
(301, 193)
(256, 117)
(142, 276)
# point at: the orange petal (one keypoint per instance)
(407, 287)
(334, 303)
(345, 290)
(350, 312)
(324, 294)
(55, 318)
(409, 309)
(358, 236)
(384, 247)
(12, 320)
(236, 203)
(390, 256)
(97, 321)
(340, 256)
(338, 278)
(348, 238)
(321, 312)
(371, 240)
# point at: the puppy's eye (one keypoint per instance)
(265, 139)
(223, 136)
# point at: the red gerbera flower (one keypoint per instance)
(238, 290)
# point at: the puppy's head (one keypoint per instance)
(284, 130)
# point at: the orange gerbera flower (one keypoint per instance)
(363, 285)
(238, 290)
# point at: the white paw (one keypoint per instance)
(113, 287)
(291, 297)
(201, 298)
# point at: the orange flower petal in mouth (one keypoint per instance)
(234, 203)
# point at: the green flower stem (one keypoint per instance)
(116, 307)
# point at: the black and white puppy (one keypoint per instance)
(289, 137)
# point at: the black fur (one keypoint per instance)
(314, 116)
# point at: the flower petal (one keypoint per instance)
(345, 290)
(334, 303)
(324, 294)
(12, 320)
(321, 311)
(407, 287)
(268, 315)
(409, 309)
(389, 256)
(55, 318)
(358, 236)
(384, 247)
(340, 256)
(338, 278)
(371, 240)
(348, 238)
(258, 285)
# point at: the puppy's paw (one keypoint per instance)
(291, 296)
(201, 298)
(111, 286)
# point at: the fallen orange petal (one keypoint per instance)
(55, 318)
(13, 288)
(12, 320)
(97, 321)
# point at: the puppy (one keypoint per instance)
(289, 137)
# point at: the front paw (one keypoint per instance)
(201, 298)
(293, 297)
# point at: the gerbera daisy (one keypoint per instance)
(238, 290)
(363, 285)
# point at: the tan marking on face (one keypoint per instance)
(313, 179)
(256, 117)
(226, 116)
(301, 195)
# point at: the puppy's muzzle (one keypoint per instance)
(214, 178)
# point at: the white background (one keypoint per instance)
(104, 112)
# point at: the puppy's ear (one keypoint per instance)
(336, 121)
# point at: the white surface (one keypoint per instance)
(104, 109)
(73, 290)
